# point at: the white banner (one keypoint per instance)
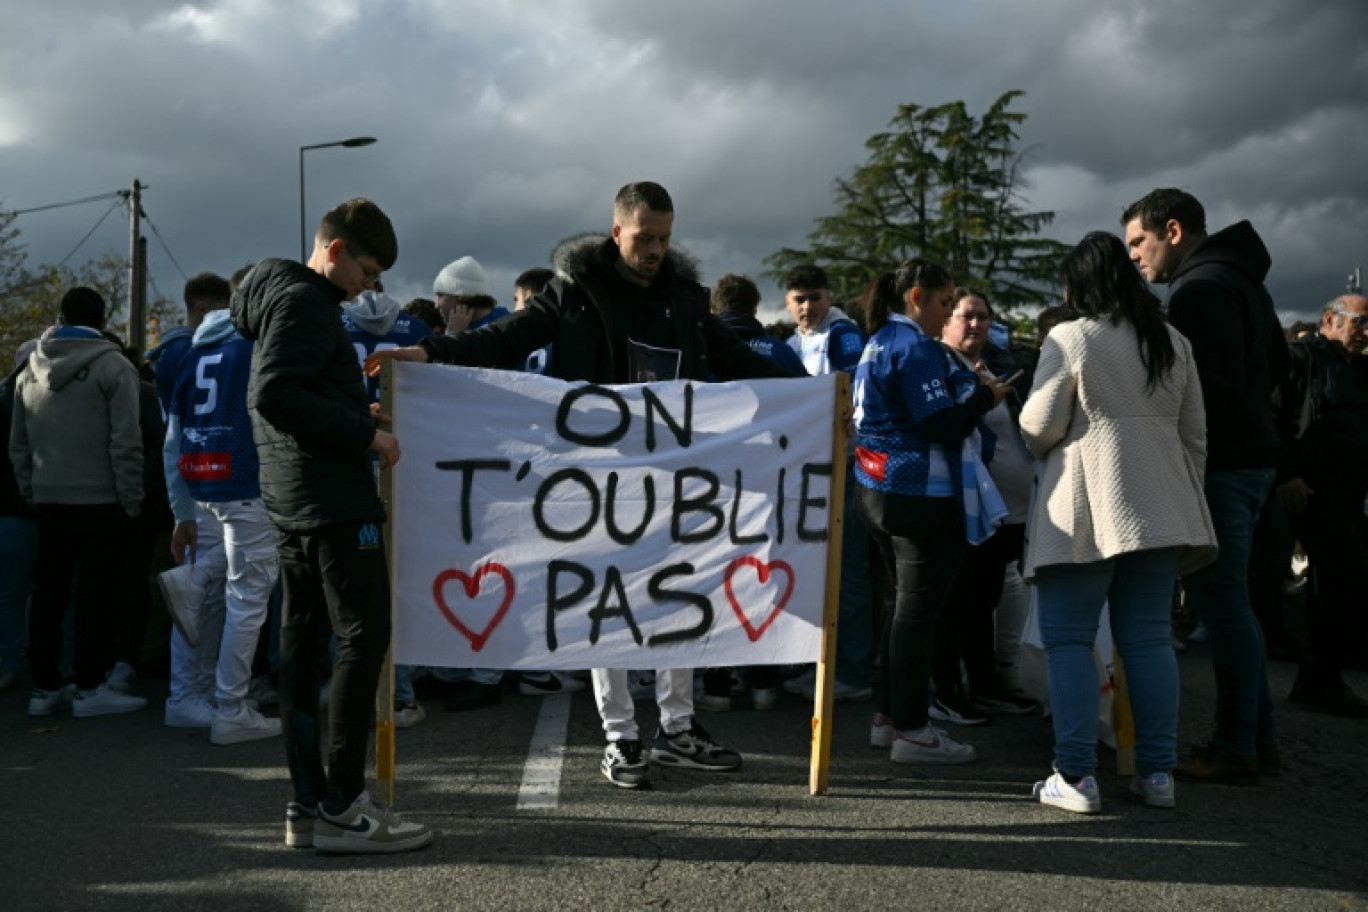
(540, 524)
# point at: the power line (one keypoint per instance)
(88, 199)
(147, 218)
(82, 241)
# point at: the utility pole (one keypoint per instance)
(137, 273)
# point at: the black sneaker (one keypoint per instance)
(956, 710)
(693, 748)
(1336, 699)
(468, 695)
(995, 703)
(546, 684)
(622, 765)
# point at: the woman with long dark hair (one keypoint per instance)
(1116, 417)
(909, 431)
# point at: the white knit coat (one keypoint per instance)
(1120, 465)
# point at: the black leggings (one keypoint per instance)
(922, 543)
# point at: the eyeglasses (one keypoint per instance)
(370, 275)
(1360, 321)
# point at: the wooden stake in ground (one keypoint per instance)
(819, 769)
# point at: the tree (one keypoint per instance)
(30, 299)
(944, 185)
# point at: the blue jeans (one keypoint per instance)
(1220, 597)
(1138, 588)
(18, 557)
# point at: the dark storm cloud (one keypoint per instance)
(506, 127)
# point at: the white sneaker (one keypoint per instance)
(1156, 790)
(46, 702)
(367, 827)
(184, 600)
(194, 711)
(1081, 797)
(764, 698)
(881, 731)
(930, 746)
(103, 702)
(244, 725)
(407, 715)
(121, 678)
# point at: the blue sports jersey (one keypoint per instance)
(903, 377)
(836, 345)
(218, 458)
(166, 362)
(406, 330)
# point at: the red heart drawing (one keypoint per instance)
(472, 589)
(762, 571)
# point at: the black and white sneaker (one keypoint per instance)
(693, 748)
(366, 827)
(1005, 703)
(623, 766)
(956, 710)
(299, 825)
(546, 683)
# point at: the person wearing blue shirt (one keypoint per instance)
(909, 429)
(826, 340)
(223, 542)
(376, 322)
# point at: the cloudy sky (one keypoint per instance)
(506, 125)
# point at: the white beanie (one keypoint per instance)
(463, 277)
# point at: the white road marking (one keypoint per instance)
(540, 789)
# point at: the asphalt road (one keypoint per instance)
(121, 813)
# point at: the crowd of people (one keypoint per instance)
(1138, 459)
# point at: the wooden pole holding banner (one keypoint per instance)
(1122, 720)
(820, 767)
(384, 694)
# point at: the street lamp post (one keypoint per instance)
(352, 143)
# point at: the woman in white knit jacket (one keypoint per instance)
(1115, 415)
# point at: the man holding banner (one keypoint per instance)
(622, 309)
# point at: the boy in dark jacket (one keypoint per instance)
(314, 435)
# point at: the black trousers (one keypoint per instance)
(1334, 532)
(964, 631)
(88, 544)
(333, 578)
(922, 543)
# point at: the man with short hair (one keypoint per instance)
(529, 284)
(76, 445)
(463, 297)
(826, 340)
(314, 433)
(1218, 301)
(223, 542)
(736, 300)
(1322, 411)
(622, 309)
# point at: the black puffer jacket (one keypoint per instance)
(574, 315)
(310, 413)
(1218, 300)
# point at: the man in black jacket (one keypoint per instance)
(622, 309)
(315, 435)
(1322, 411)
(1218, 301)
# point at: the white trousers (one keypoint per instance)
(238, 562)
(674, 696)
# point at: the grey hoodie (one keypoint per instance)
(373, 311)
(74, 436)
